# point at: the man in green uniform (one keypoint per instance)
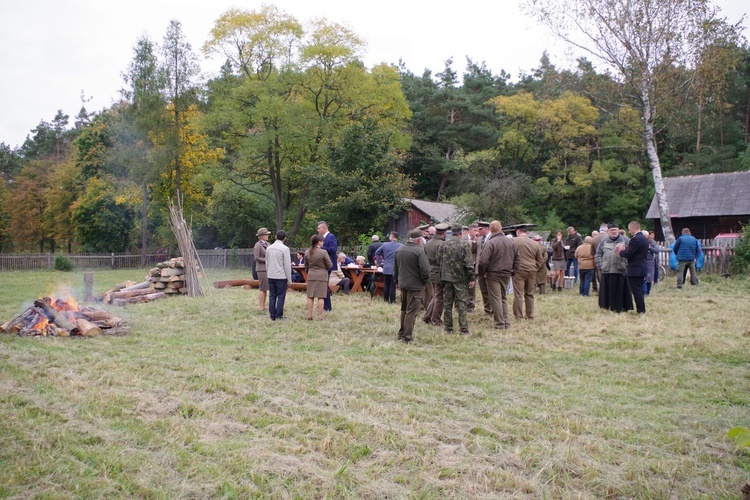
(411, 272)
(433, 314)
(456, 273)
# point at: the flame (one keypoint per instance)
(66, 304)
(41, 324)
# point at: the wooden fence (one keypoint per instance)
(716, 259)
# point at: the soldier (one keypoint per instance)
(411, 272)
(473, 236)
(483, 235)
(531, 257)
(433, 314)
(498, 262)
(428, 289)
(456, 273)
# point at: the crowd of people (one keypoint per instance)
(439, 275)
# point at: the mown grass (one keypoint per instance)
(205, 398)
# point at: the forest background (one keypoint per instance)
(295, 128)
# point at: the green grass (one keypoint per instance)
(205, 398)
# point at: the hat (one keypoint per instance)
(415, 233)
(262, 231)
(464, 228)
(613, 225)
(457, 228)
(423, 227)
(442, 227)
(482, 223)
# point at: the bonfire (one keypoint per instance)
(63, 318)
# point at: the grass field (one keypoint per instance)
(205, 398)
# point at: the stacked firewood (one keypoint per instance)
(168, 277)
(62, 318)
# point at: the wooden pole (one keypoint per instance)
(88, 287)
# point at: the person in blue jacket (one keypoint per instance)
(687, 250)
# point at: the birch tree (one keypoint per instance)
(641, 40)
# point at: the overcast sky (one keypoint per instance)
(53, 51)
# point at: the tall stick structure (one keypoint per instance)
(190, 257)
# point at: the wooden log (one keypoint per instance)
(131, 293)
(140, 298)
(172, 271)
(56, 317)
(87, 328)
(15, 324)
(231, 283)
(137, 286)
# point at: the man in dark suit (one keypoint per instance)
(330, 245)
(637, 255)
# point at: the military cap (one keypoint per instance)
(423, 227)
(442, 227)
(415, 233)
(457, 228)
(482, 223)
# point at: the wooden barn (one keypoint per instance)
(706, 204)
(420, 212)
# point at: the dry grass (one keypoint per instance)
(204, 398)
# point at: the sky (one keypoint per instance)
(53, 53)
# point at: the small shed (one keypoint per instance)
(420, 212)
(706, 204)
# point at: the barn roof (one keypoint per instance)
(440, 212)
(706, 195)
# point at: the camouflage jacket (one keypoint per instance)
(454, 260)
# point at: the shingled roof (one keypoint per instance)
(440, 212)
(706, 195)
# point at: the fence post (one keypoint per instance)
(112, 260)
(226, 251)
(49, 260)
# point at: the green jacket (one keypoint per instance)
(411, 271)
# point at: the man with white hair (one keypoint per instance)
(372, 249)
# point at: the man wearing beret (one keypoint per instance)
(456, 275)
(411, 272)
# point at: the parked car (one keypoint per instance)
(722, 241)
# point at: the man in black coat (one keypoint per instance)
(637, 255)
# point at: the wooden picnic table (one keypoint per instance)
(301, 269)
(357, 277)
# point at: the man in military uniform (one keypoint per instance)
(456, 275)
(410, 272)
(433, 314)
(482, 236)
(498, 262)
(531, 257)
(472, 238)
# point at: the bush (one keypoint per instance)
(740, 262)
(63, 263)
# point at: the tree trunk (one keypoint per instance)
(653, 158)
(700, 124)
(144, 223)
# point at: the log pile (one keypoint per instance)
(63, 318)
(167, 278)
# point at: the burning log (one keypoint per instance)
(62, 318)
(56, 317)
(87, 328)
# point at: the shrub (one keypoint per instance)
(740, 263)
(63, 263)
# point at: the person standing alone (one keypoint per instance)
(687, 250)
(279, 271)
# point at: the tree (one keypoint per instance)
(640, 40)
(180, 66)
(102, 221)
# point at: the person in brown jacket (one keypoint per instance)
(586, 266)
(497, 263)
(259, 257)
(531, 256)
